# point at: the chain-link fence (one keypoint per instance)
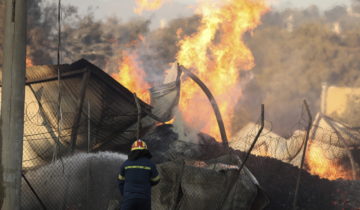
(332, 152)
(52, 173)
(199, 175)
(92, 112)
(55, 177)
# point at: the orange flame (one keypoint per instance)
(217, 53)
(147, 5)
(322, 166)
(133, 77)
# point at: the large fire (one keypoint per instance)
(217, 53)
(132, 76)
(322, 166)
(147, 5)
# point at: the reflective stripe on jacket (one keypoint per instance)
(136, 178)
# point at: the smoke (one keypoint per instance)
(159, 47)
(75, 181)
(292, 64)
(295, 51)
(82, 37)
(184, 132)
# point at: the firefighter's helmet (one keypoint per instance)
(138, 145)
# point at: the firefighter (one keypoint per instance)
(136, 177)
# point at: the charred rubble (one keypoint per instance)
(276, 178)
(201, 161)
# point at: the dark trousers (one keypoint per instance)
(136, 204)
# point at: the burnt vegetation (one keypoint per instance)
(295, 51)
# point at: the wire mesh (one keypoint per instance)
(88, 181)
(53, 176)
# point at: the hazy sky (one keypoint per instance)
(176, 8)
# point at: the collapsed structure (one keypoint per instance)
(49, 134)
(85, 90)
(99, 114)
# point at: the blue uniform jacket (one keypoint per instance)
(136, 178)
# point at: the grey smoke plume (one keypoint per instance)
(295, 51)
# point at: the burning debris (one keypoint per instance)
(277, 178)
(170, 143)
(328, 155)
(216, 52)
(128, 70)
(333, 152)
(278, 181)
(73, 138)
(334, 146)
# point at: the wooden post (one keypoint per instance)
(13, 96)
